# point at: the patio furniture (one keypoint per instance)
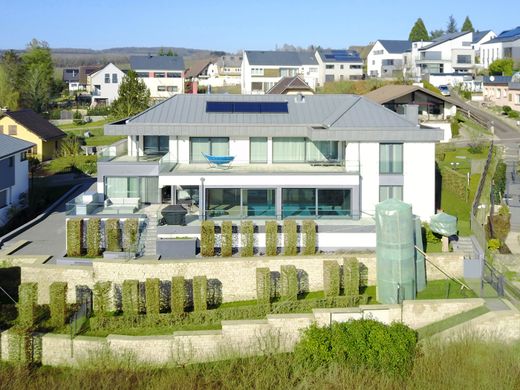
(123, 204)
(219, 161)
(174, 214)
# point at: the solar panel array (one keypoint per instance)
(341, 55)
(248, 107)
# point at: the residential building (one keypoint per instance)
(71, 78)
(163, 75)
(14, 177)
(261, 70)
(104, 84)
(338, 65)
(291, 86)
(505, 45)
(479, 38)
(386, 58)
(32, 127)
(503, 90)
(229, 67)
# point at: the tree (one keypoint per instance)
(436, 33)
(451, 26)
(38, 71)
(171, 53)
(467, 26)
(161, 52)
(501, 67)
(418, 32)
(9, 96)
(134, 97)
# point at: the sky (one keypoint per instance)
(235, 25)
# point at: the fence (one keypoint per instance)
(80, 317)
(475, 117)
(500, 284)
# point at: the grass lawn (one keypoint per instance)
(85, 164)
(450, 322)
(96, 129)
(445, 289)
(82, 128)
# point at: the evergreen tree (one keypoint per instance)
(134, 97)
(451, 26)
(10, 80)
(418, 32)
(38, 75)
(436, 34)
(161, 52)
(467, 26)
(171, 53)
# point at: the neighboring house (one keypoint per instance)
(32, 127)
(291, 86)
(163, 75)
(14, 177)
(71, 78)
(229, 68)
(505, 45)
(503, 90)
(84, 72)
(221, 72)
(479, 38)
(104, 84)
(386, 58)
(261, 70)
(338, 65)
(433, 109)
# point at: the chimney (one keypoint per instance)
(411, 112)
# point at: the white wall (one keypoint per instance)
(375, 61)
(369, 168)
(21, 185)
(490, 52)
(239, 148)
(109, 90)
(153, 83)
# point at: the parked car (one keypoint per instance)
(445, 91)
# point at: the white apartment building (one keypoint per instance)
(104, 84)
(338, 65)
(386, 58)
(505, 45)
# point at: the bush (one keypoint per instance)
(351, 277)
(226, 239)
(499, 179)
(359, 343)
(93, 237)
(493, 244)
(513, 114)
(506, 109)
(309, 231)
(247, 234)
(290, 238)
(271, 238)
(131, 232)
(113, 235)
(200, 293)
(99, 111)
(263, 285)
(178, 295)
(58, 303)
(152, 297)
(207, 239)
(331, 278)
(288, 283)
(455, 130)
(27, 304)
(429, 236)
(102, 298)
(130, 297)
(74, 237)
(21, 345)
(77, 118)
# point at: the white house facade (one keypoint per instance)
(505, 45)
(479, 38)
(104, 85)
(338, 65)
(386, 58)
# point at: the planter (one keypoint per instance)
(177, 248)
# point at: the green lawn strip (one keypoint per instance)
(444, 289)
(102, 140)
(86, 126)
(450, 322)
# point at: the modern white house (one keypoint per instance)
(261, 70)
(386, 58)
(221, 72)
(163, 75)
(479, 38)
(338, 65)
(104, 84)
(505, 45)
(14, 174)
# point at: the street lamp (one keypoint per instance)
(202, 200)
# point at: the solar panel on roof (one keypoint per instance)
(247, 107)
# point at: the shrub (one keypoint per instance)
(178, 294)
(74, 237)
(227, 239)
(288, 283)
(93, 237)
(331, 278)
(499, 179)
(200, 293)
(113, 235)
(130, 297)
(102, 298)
(58, 303)
(27, 304)
(271, 238)
(429, 236)
(263, 285)
(152, 299)
(77, 118)
(351, 276)
(207, 239)
(493, 244)
(455, 130)
(247, 234)
(309, 230)
(513, 114)
(20, 343)
(359, 343)
(506, 109)
(131, 232)
(290, 238)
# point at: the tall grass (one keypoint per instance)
(465, 363)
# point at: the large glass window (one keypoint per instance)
(390, 192)
(322, 150)
(258, 149)
(145, 188)
(298, 202)
(212, 146)
(3, 199)
(334, 202)
(288, 149)
(302, 202)
(391, 158)
(156, 145)
(223, 202)
(258, 202)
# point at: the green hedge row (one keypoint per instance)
(178, 295)
(271, 238)
(331, 282)
(351, 276)
(288, 283)
(131, 234)
(93, 237)
(247, 234)
(263, 285)
(227, 239)
(207, 239)
(152, 297)
(290, 238)
(113, 235)
(130, 297)
(58, 303)
(200, 293)
(74, 237)
(309, 234)
(27, 304)
(102, 295)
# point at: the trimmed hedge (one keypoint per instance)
(271, 238)
(131, 233)
(152, 296)
(331, 280)
(74, 237)
(290, 238)
(207, 239)
(20, 343)
(178, 295)
(351, 276)
(247, 234)
(200, 293)
(101, 295)
(130, 297)
(263, 285)
(113, 235)
(289, 283)
(58, 303)
(27, 304)
(93, 237)
(309, 233)
(226, 245)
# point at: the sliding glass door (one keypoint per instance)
(145, 188)
(308, 202)
(214, 146)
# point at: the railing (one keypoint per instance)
(475, 116)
